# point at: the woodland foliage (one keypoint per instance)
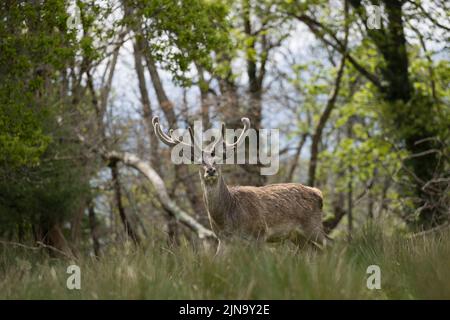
(363, 113)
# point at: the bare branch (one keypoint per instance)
(161, 191)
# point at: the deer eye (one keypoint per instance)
(213, 154)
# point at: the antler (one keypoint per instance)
(172, 141)
(229, 146)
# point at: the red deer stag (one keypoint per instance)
(274, 212)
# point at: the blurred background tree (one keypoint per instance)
(363, 112)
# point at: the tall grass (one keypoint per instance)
(410, 269)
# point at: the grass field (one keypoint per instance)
(410, 269)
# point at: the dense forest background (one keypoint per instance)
(362, 105)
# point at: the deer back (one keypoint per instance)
(277, 208)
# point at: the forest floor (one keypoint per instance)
(410, 269)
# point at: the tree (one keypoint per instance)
(405, 110)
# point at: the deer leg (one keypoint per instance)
(312, 234)
(317, 237)
(299, 238)
(220, 249)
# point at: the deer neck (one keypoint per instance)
(218, 201)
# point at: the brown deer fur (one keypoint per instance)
(269, 213)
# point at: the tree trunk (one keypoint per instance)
(51, 236)
(317, 136)
(204, 97)
(255, 88)
(331, 102)
(129, 229)
(75, 227)
(94, 229)
(147, 111)
(161, 191)
(181, 171)
(370, 203)
(350, 207)
(350, 184)
(407, 114)
(295, 160)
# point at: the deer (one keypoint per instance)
(270, 213)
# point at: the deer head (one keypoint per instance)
(209, 157)
(279, 211)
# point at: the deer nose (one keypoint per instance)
(211, 171)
